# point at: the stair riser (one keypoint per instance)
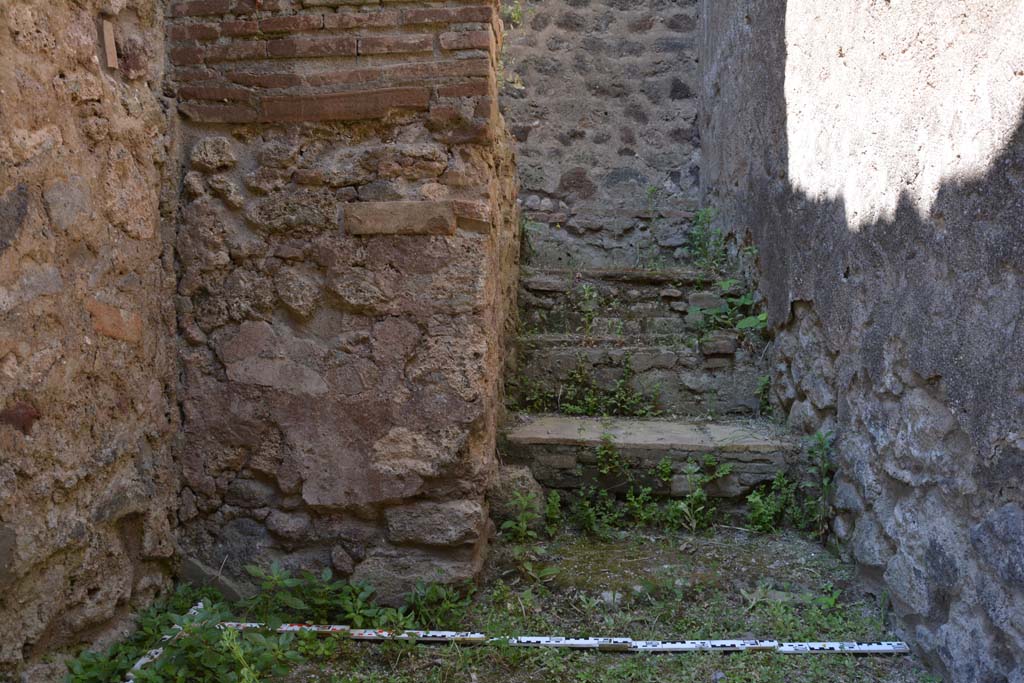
(568, 468)
(626, 325)
(684, 382)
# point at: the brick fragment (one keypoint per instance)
(379, 45)
(194, 32)
(399, 218)
(333, 46)
(466, 40)
(448, 15)
(21, 416)
(219, 113)
(347, 20)
(113, 322)
(351, 106)
(264, 80)
(296, 22)
(235, 51)
(473, 215)
(476, 88)
(199, 8)
(186, 56)
(240, 27)
(346, 76)
(214, 92)
(452, 68)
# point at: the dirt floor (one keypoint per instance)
(726, 583)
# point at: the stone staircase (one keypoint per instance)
(561, 452)
(641, 334)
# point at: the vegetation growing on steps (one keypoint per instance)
(656, 584)
(580, 395)
(806, 505)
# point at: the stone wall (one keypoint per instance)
(602, 99)
(346, 250)
(881, 176)
(86, 317)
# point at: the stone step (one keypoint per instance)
(615, 301)
(714, 376)
(562, 452)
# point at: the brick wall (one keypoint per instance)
(346, 249)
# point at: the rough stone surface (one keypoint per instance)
(891, 257)
(442, 524)
(602, 99)
(560, 452)
(87, 371)
(345, 285)
(512, 481)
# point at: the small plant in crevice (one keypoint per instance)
(596, 512)
(580, 395)
(769, 507)
(588, 306)
(553, 514)
(437, 606)
(706, 244)
(609, 459)
(806, 505)
(818, 487)
(663, 471)
(738, 312)
(519, 529)
(695, 511)
(640, 506)
(513, 12)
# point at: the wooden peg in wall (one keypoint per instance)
(108, 44)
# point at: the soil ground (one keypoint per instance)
(727, 583)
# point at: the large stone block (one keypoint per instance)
(449, 523)
(399, 218)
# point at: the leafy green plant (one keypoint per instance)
(818, 487)
(437, 606)
(154, 622)
(706, 244)
(695, 510)
(642, 509)
(596, 512)
(277, 595)
(553, 513)
(513, 13)
(200, 653)
(519, 529)
(768, 507)
(537, 573)
(588, 305)
(580, 395)
(609, 459)
(663, 471)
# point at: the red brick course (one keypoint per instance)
(379, 45)
(351, 106)
(209, 35)
(466, 40)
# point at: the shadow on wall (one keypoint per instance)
(904, 334)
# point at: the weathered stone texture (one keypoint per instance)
(886, 201)
(86, 363)
(346, 277)
(601, 97)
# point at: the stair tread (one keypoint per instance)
(634, 275)
(652, 433)
(579, 340)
